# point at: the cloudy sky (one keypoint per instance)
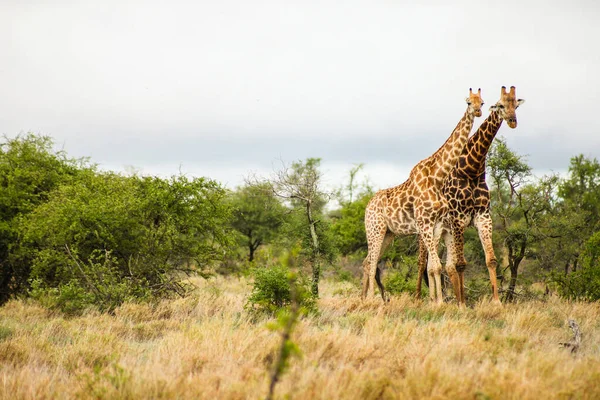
(225, 88)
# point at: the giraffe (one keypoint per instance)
(416, 205)
(468, 199)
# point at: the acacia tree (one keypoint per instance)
(257, 215)
(519, 205)
(301, 185)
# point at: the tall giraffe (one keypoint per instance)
(416, 205)
(469, 199)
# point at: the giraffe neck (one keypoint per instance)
(446, 157)
(472, 159)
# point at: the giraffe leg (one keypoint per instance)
(365, 278)
(380, 285)
(422, 266)
(374, 242)
(458, 253)
(387, 240)
(483, 223)
(451, 265)
(434, 265)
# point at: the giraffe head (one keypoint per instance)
(474, 102)
(507, 106)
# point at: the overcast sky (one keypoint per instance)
(225, 88)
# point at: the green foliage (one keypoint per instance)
(69, 298)
(343, 275)
(520, 207)
(576, 216)
(348, 225)
(584, 283)
(273, 289)
(349, 228)
(5, 332)
(286, 321)
(307, 224)
(325, 249)
(97, 283)
(29, 171)
(396, 282)
(124, 237)
(403, 278)
(582, 187)
(257, 216)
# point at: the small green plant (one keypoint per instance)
(272, 290)
(69, 298)
(397, 282)
(5, 332)
(96, 283)
(286, 321)
(343, 275)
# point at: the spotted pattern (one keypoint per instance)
(468, 199)
(417, 205)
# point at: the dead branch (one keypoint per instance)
(576, 342)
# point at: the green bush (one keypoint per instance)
(274, 288)
(404, 278)
(29, 171)
(69, 298)
(349, 228)
(120, 238)
(343, 275)
(396, 282)
(584, 283)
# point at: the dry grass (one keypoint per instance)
(206, 346)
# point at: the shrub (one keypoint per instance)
(69, 298)
(118, 238)
(583, 284)
(402, 279)
(396, 283)
(29, 171)
(343, 275)
(273, 290)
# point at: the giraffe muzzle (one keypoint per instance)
(512, 122)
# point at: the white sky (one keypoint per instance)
(225, 88)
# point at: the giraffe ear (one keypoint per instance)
(468, 100)
(519, 102)
(494, 107)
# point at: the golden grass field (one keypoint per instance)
(206, 346)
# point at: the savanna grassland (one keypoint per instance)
(207, 346)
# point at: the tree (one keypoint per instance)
(257, 215)
(29, 171)
(584, 283)
(519, 205)
(348, 224)
(580, 208)
(301, 184)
